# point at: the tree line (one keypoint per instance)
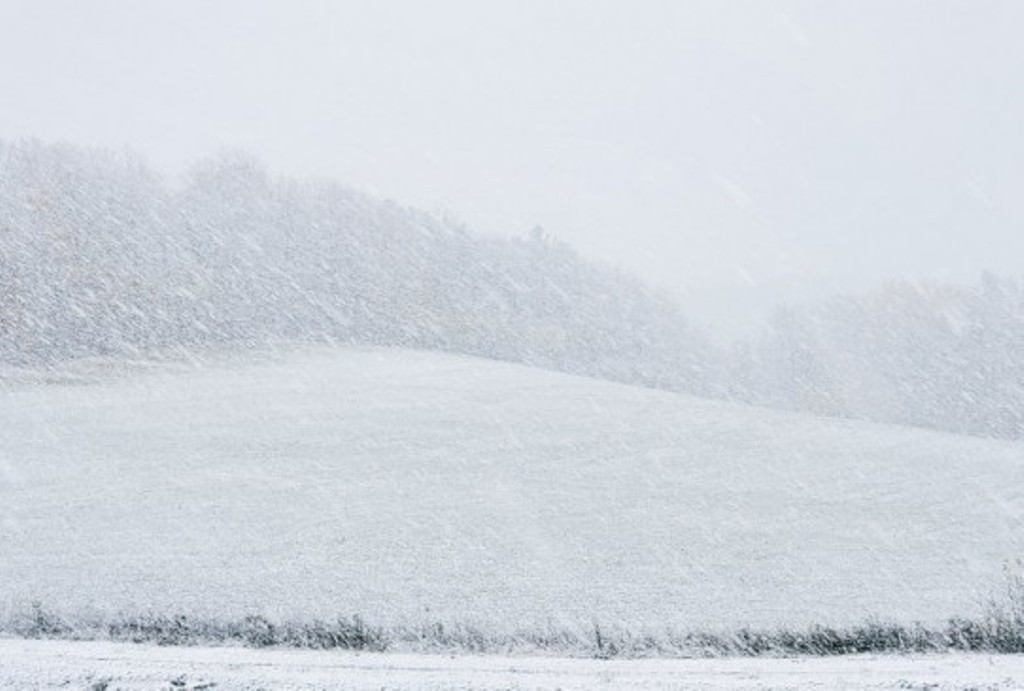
(101, 255)
(950, 357)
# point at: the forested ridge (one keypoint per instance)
(101, 255)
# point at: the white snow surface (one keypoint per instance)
(412, 487)
(26, 665)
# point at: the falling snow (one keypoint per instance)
(725, 357)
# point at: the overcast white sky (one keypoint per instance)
(735, 153)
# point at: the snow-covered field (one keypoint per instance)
(413, 487)
(52, 664)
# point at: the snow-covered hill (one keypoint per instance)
(410, 486)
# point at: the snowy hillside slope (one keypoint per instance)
(409, 486)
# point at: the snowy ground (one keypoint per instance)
(412, 487)
(51, 664)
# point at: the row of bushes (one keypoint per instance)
(998, 632)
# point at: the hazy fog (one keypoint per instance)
(735, 153)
